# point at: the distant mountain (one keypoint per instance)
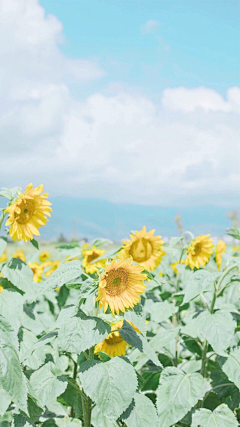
(98, 218)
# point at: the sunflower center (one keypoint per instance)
(197, 249)
(114, 338)
(92, 257)
(27, 207)
(117, 281)
(141, 250)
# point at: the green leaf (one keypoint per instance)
(136, 340)
(99, 420)
(3, 244)
(142, 413)
(231, 366)
(110, 385)
(35, 243)
(104, 356)
(72, 397)
(200, 281)
(222, 416)
(177, 394)
(66, 272)
(217, 329)
(46, 339)
(162, 311)
(12, 379)
(20, 275)
(136, 316)
(5, 401)
(226, 390)
(68, 422)
(234, 232)
(11, 302)
(36, 358)
(80, 333)
(163, 338)
(47, 386)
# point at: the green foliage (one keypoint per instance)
(220, 417)
(142, 412)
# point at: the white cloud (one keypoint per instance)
(120, 146)
(150, 27)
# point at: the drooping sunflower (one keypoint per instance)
(114, 345)
(89, 256)
(37, 271)
(121, 285)
(220, 249)
(199, 251)
(28, 213)
(144, 248)
(44, 255)
(53, 266)
(20, 255)
(3, 257)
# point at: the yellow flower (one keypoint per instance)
(236, 248)
(199, 251)
(57, 289)
(37, 271)
(53, 264)
(174, 265)
(220, 249)
(114, 345)
(1, 288)
(68, 259)
(121, 285)
(89, 256)
(44, 256)
(144, 248)
(3, 257)
(28, 213)
(20, 255)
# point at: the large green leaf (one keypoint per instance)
(20, 275)
(80, 332)
(72, 397)
(200, 281)
(66, 272)
(137, 340)
(143, 412)
(137, 318)
(110, 385)
(47, 386)
(11, 307)
(5, 401)
(177, 394)
(226, 390)
(162, 311)
(217, 329)
(222, 416)
(3, 244)
(99, 420)
(163, 338)
(12, 379)
(35, 358)
(231, 366)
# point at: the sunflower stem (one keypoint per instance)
(88, 404)
(223, 277)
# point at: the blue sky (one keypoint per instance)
(195, 43)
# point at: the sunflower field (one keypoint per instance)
(144, 334)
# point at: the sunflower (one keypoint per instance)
(114, 345)
(121, 285)
(37, 271)
(28, 213)
(199, 251)
(89, 256)
(220, 249)
(144, 248)
(174, 265)
(1, 288)
(3, 257)
(236, 248)
(44, 256)
(53, 266)
(20, 255)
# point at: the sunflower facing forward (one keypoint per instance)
(199, 251)
(144, 248)
(121, 285)
(114, 345)
(89, 256)
(28, 213)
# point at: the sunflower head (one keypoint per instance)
(20, 255)
(37, 271)
(89, 256)
(144, 248)
(3, 257)
(121, 285)
(199, 252)
(220, 249)
(44, 255)
(114, 345)
(28, 213)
